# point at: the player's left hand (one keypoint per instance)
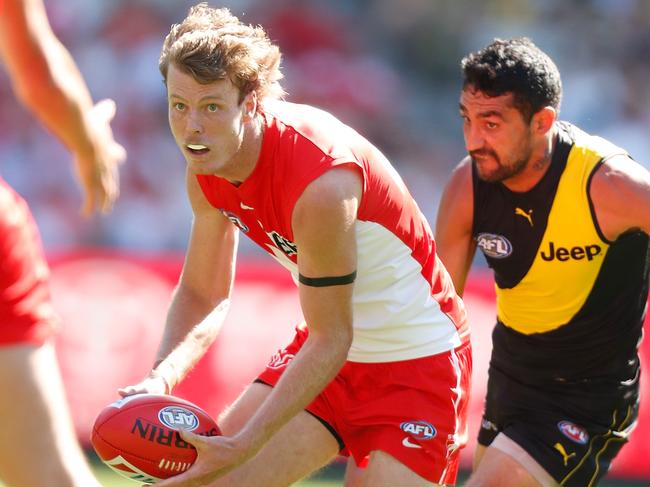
(217, 455)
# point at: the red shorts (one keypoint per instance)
(26, 313)
(414, 410)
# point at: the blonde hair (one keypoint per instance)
(212, 44)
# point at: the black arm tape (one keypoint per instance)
(327, 281)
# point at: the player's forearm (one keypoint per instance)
(192, 325)
(317, 363)
(54, 91)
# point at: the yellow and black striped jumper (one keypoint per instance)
(564, 372)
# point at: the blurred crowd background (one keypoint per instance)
(389, 68)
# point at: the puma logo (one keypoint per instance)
(527, 215)
(566, 456)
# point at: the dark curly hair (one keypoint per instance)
(514, 66)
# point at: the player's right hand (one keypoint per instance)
(97, 171)
(154, 384)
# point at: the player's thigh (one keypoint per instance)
(36, 422)
(353, 474)
(499, 469)
(479, 451)
(235, 416)
(301, 447)
(383, 470)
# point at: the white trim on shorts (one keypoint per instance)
(521, 456)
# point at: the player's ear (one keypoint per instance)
(543, 120)
(250, 106)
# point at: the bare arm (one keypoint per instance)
(324, 231)
(620, 191)
(200, 300)
(454, 244)
(47, 81)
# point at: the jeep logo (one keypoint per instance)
(495, 246)
(576, 253)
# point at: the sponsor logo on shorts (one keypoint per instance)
(409, 444)
(565, 456)
(486, 424)
(178, 418)
(418, 431)
(495, 246)
(575, 433)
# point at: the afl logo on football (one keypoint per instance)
(178, 418)
(495, 246)
(574, 432)
(420, 430)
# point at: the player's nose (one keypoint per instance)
(194, 124)
(474, 139)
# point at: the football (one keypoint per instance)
(138, 438)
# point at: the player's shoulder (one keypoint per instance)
(464, 166)
(461, 176)
(299, 116)
(457, 201)
(335, 185)
(617, 175)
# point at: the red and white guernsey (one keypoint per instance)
(405, 305)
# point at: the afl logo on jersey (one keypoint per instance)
(495, 246)
(573, 432)
(235, 220)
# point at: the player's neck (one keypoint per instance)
(249, 152)
(536, 167)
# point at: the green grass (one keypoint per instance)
(329, 477)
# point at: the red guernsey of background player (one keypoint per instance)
(38, 444)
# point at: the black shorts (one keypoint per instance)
(573, 431)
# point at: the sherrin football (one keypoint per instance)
(138, 437)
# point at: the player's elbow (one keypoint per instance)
(338, 341)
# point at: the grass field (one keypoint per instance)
(329, 477)
(333, 477)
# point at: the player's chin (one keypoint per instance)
(200, 167)
(493, 175)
